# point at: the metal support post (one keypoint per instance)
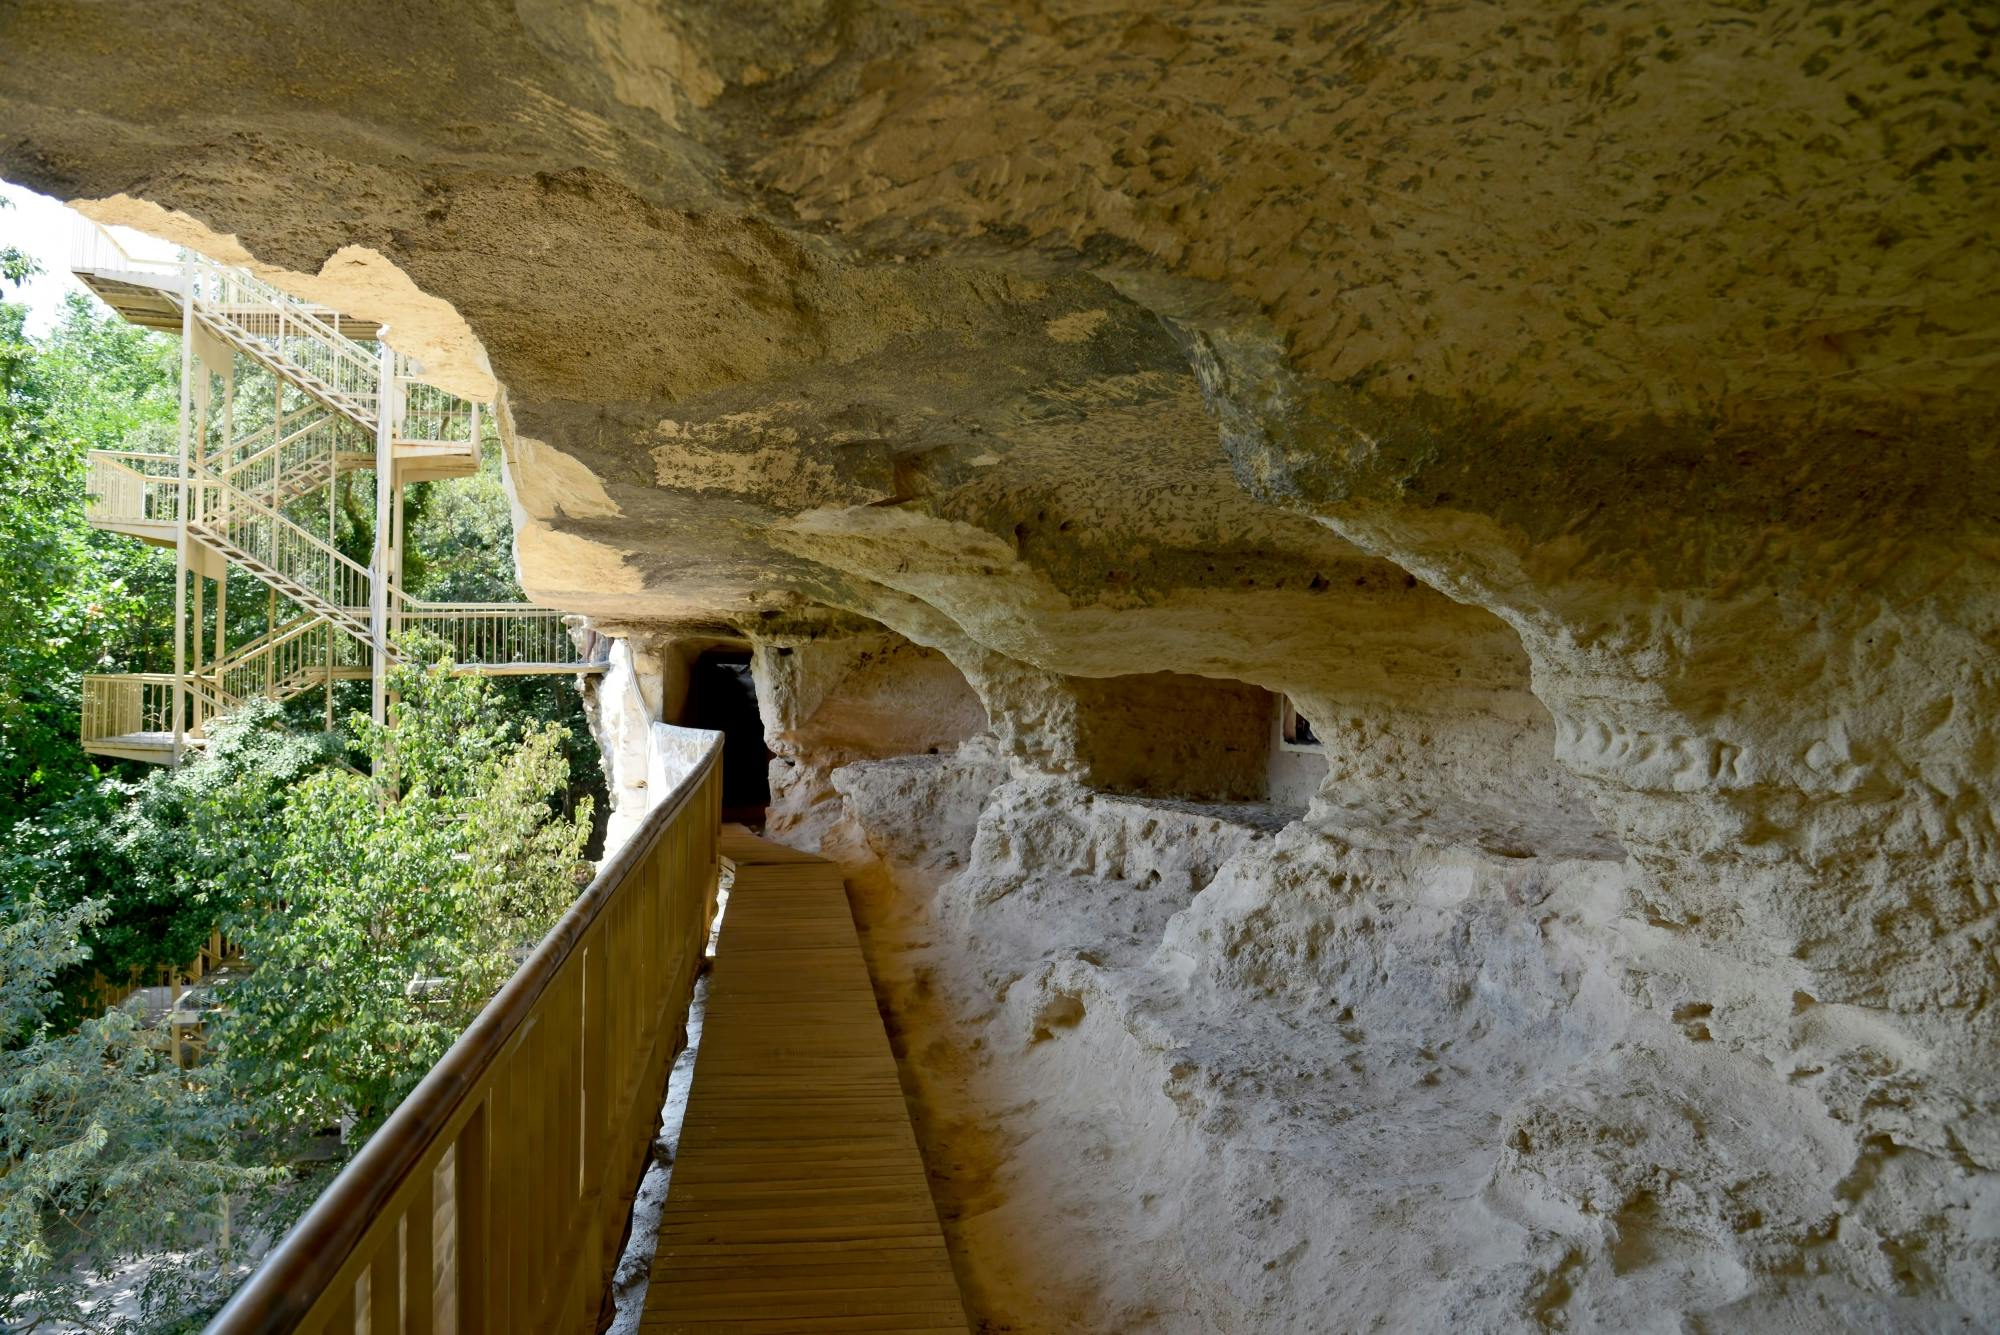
(385, 490)
(180, 694)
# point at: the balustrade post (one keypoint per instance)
(600, 1121)
(385, 1290)
(343, 1313)
(471, 1204)
(420, 1289)
(221, 619)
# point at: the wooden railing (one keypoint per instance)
(495, 1197)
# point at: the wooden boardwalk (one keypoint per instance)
(798, 1200)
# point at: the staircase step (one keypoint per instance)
(274, 360)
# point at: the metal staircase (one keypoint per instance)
(286, 661)
(237, 492)
(305, 570)
(281, 335)
(286, 460)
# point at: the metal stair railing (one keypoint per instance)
(119, 704)
(292, 340)
(235, 451)
(94, 248)
(139, 486)
(297, 340)
(287, 337)
(295, 464)
(233, 496)
(304, 568)
(131, 487)
(291, 660)
(427, 415)
(204, 703)
(493, 635)
(312, 573)
(244, 653)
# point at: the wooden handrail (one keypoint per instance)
(545, 1106)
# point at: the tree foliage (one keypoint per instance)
(380, 905)
(110, 1151)
(16, 265)
(72, 599)
(465, 529)
(399, 901)
(198, 842)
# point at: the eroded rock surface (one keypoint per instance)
(1584, 416)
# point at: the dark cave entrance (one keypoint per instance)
(722, 697)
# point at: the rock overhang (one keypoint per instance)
(1543, 268)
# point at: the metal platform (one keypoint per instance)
(153, 748)
(151, 300)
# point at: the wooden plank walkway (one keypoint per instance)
(798, 1200)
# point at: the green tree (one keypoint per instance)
(170, 856)
(16, 265)
(108, 1152)
(72, 599)
(197, 843)
(381, 902)
(465, 530)
(400, 901)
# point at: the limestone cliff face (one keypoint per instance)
(1584, 416)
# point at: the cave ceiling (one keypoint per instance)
(800, 301)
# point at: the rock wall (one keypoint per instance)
(1583, 414)
(636, 710)
(1192, 1063)
(831, 700)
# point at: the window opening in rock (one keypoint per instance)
(1296, 731)
(722, 697)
